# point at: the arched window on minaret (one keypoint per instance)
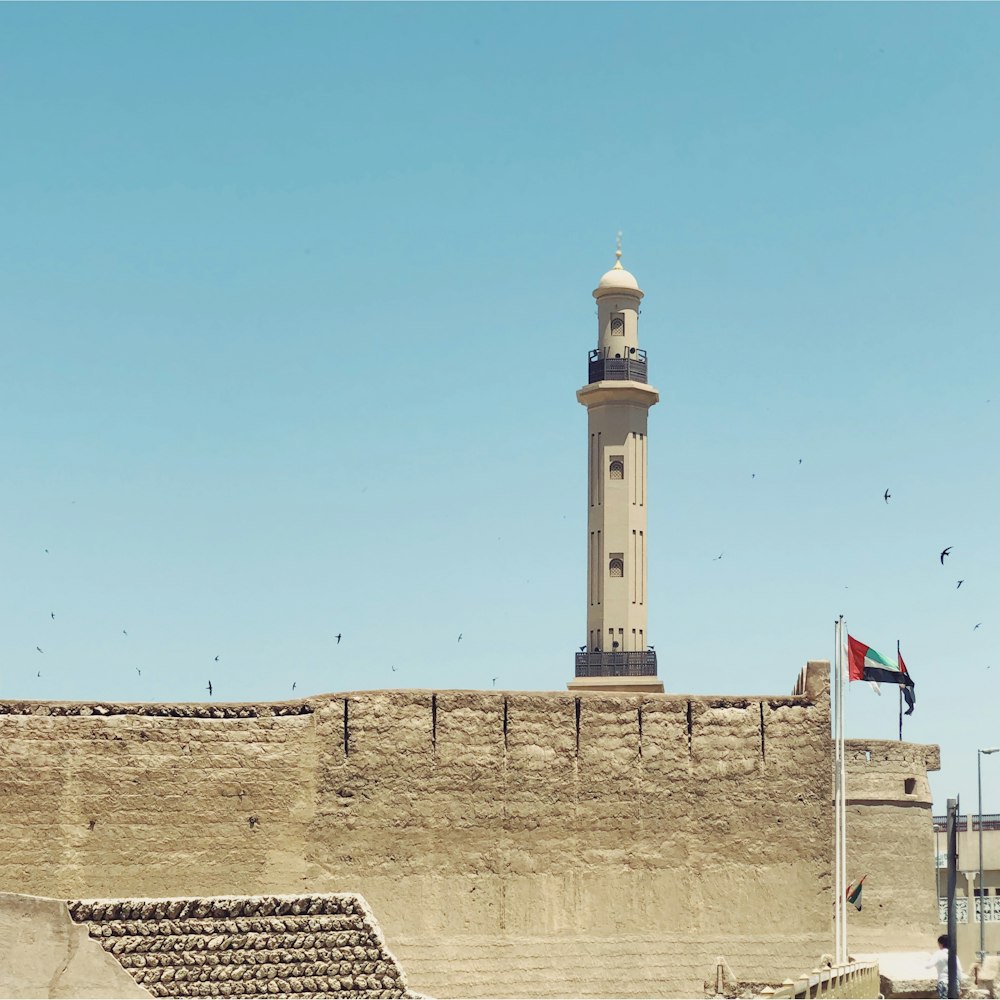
(616, 567)
(616, 470)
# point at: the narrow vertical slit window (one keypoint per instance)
(597, 465)
(590, 567)
(634, 454)
(635, 567)
(598, 575)
(590, 472)
(642, 572)
(645, 458)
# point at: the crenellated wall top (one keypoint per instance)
(809, 688)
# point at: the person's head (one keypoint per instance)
(943, 942)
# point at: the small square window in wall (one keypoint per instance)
(616, 467)
(616, 565)
(909, 785)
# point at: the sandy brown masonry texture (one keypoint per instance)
(509, 843)
(315, 945)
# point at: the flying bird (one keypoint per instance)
(494, 682)
(209, 689)
(800, 461)
(216, 659)
(583, 649)
(337, 637)
(39, 648)
(124, 632)
(959, 584)
(753, 475)
(974, 627)
(459, 636)
(52, 615)
(293, 685)
(945, 552)
(40, 673)
(138, 671)
(393, 669)
(886, 495)
(718, 557)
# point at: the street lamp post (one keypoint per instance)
(982, 890)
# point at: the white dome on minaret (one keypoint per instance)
(617, 278)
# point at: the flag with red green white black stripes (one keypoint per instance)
(866, 664)
(854, 892)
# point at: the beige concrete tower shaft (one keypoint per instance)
(618, 399)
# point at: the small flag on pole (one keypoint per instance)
(854, 892)
(908, 688)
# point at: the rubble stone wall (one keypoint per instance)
(275, 946)
(512, 844)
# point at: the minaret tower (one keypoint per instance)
(617, 655)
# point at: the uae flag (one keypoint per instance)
(909, 692)
(854, 892)
(865, 664)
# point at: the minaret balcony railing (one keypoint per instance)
(632, 663)
(631, 368)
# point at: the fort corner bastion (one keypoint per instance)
(509, 843)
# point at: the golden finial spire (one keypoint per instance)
(618, 252)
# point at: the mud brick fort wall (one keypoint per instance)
(518, 844)
(890, 837)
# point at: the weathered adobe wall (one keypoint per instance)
(890, 836)
(112, 803)
(510, 844)
(43, 953)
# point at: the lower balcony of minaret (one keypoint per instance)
(630, 663)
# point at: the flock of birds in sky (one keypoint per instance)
(210, 687)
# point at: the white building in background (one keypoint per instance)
(971, 898)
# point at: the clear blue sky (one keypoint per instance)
(294, 301)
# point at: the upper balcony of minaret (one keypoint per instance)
(628, 364)
(617, 357)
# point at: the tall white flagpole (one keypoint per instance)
(843, 794)
(838, 893)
